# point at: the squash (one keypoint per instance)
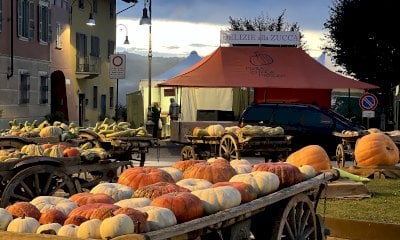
(288, 174)
(313, 155)
(307, 171)
(71, 152)
(84, 198)
(185, 205)
(213, 172)
(23, 209)
(69, 230)
(49, 228)
(23, 225)
(5, 219)
(184, 164)
(376, 149)
(76, 220)
(88, 210)
(50, 131)
(142, 176)
(159, 217)
(247, 192)
(52, 216)
(134, 202)
(44, 203)
(157, 189)
(114, 190)
(218, 198)
(215, 130)
(194, 183)
(89, 229)
(139, 218)
(115, 226)
(263, 182)
(200, 132)
(175, 173)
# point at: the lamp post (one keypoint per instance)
(126, 42)
(91, 22)
(146, 20)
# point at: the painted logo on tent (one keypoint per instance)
(261, 59)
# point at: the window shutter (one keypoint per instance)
(31, 20)
(19, 19)
(50, 32)
(40, 22)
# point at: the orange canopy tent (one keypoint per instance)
(276, 73)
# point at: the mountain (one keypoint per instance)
(137, 69)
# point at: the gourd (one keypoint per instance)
(23, 224)
(218, 198)
(89, 229)
(200, 132)
(215, 130)
(84, 198)
(55, 151)
(185, 205)
(307, 171)
(88, 210)
(183, 165)
(45, 203)
(194, 183)
(134, 202)
(288, 174)
(376, 149)
(114, 190)
(116, 226)
(23, 209)
(32, 150)
(213, 172)
(76, 220)
(159, 217)
(313, 155)
(52, 216)
(5, 219)
(157, 189)
(247, 192)
(68, 230)
(49, 228)
(71, 152)
(139, 218)
(263, 182)
(175, 173)
(50, 131)
(142, 176)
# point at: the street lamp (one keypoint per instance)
(126, 42)
(91, 21)
(146, 20)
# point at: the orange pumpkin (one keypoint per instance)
(52, 216)
(213, 172)
(84, 198)
(142, 176)
(376, 149)
(248, 192)
(71, 152)
(288, 174)
(185, 205)
(183, 165)
(313, 155)
(24, 209)
(75, 219)
(89, 211)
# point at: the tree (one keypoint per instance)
(361, 40)
(265, 23)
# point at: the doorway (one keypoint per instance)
(82, 105)
(58, 105)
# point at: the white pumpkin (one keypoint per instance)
(264, 182)
(44, 203)
(134, 202)
(5, 219)
(239, 161)
(307, 171)
(23, 225)
(115, 226)
(115, 190)
(194, 183)
(242, 168)
(49, 227)
(159, 217)
(89, 229)
(219, 198)
(175, 173)
(69, 230)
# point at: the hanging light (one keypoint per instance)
(126, 42)
(145, 20)
(91, 21)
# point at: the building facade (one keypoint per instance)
(53, 65)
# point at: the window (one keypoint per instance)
(112, 97)
(44, 23)
(44, 89)
(81, 53)
(1, 15)
(94, 46)
(24, 88)
(58, 38)
(111, 47)
(94, 7)
(81, 4)
(25, 14)
(112, 9)
(95, 93)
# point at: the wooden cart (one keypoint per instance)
(231, 146)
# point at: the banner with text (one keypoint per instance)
(260, 37)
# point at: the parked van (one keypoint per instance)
(308, 124)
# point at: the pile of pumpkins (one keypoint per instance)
(147, 199)
(248, 130)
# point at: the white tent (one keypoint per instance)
(190, 99)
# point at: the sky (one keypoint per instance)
(182, 26)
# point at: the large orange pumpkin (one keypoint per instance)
(213, 172)
(142, 176)
(376, 149)
(91, 210)
(21, 209)
(185, 205)
(182, 165)
(313, 155)
(84, 198)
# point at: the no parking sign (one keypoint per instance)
(117, 66)
(368, 102)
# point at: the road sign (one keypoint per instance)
(368, 102)
(368, 114)
(117, 66)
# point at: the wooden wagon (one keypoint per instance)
(234, 146)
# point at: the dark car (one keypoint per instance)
(308, 124)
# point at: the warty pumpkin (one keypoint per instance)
(142, 176)
(313, 155)
(213, 172)
(288, 174)
(20, 209)
(376, 149)
(157, 189)
(114, 190)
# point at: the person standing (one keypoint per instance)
(155, 117)
(173, 110)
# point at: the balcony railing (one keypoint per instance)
(89, 65)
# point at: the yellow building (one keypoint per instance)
(91, 46)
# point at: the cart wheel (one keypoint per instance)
(39, 180)
(340, 156)
(187, 153)
(297, 220)
(228, 148)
